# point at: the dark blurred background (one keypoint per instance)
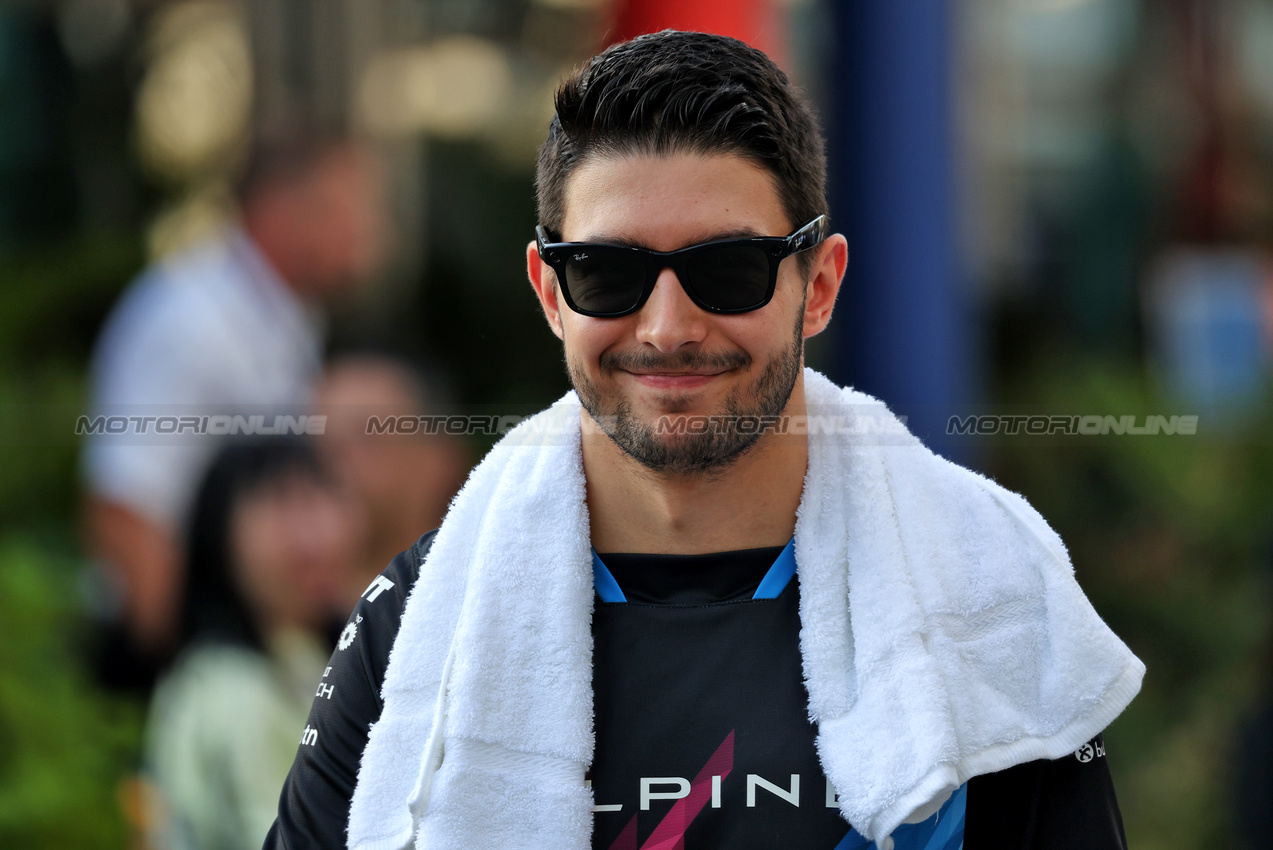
(1054, 207)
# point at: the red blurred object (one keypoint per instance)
(760, 23)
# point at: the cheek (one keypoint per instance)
(585, 339)
(331, 529)
(355, 463)
(791, 294)
(260, 548)
(320, 541)
(749, 333)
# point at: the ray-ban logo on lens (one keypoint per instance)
(579, 258)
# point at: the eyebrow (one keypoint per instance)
(607, 239)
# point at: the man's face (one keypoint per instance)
(672, 358)
(325, 228)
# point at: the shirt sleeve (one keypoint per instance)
(153, 359)
(1047, 805)
(313, 810)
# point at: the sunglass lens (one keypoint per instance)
(731, 278)
(603, 280)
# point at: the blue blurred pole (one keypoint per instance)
(903, 327)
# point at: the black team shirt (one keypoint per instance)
(703, 736)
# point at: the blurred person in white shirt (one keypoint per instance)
(229, 326)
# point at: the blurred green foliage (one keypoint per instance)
(55, 298)
(1170, 537)
(64, 746)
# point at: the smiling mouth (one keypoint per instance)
(675, 374)
(675, 381)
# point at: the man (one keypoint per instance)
(607, 643)
(403, 481)
(228, 326)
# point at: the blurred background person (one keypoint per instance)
(403, 481)
(269, 553)
(232, 324)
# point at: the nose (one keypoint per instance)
(669, 319)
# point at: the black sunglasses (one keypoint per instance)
(729, 276)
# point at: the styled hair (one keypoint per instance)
(684, 92)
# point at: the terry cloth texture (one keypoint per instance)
(943, 636)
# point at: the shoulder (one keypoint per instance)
(170, 307)
(176, 289)
(365, 643)
(405, 568)
(389, 590)
(207, 696)
(875, 452)
(216, 676)
(210, 666)
(1048, 804)
(314, 807)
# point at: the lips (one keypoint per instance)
(674, 380)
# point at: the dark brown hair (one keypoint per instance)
(684, 92)
(284, 157)
(214, 608)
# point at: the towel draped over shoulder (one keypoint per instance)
(943, 636)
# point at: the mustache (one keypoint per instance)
(689, 361)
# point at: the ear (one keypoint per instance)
(544, 281)
(828, 273)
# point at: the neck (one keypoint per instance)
(281, 261)
(748, 504)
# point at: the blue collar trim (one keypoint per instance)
(779, 575)
(773, 584)
(603, 580)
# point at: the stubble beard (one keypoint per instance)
(692, 452)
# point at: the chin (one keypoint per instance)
(672, 405)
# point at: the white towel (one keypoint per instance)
(943, 636)
(966, 645)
